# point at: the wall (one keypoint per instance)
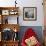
(34, 3)
(27, 3)
(36, 29)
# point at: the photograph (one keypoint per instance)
(5, 12)
(30, 13)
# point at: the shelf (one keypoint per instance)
(10, 26)
(4, 8)
(11, 41)
(9, 10)
(10, 19)
(6, 24)
(6, 12)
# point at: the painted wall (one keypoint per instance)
(26, 3)
(34, 3)
(37, 29)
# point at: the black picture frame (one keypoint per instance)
(29, 13)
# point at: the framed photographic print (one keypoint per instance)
(30, 13)
(5, 12)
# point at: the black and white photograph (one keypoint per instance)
(30, 13)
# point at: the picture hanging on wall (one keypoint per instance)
(29, 13)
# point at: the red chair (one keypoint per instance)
(29, 33)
